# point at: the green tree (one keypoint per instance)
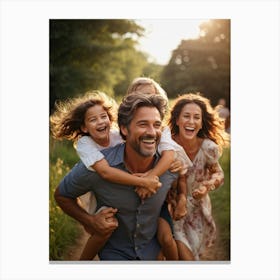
(91, 54)
(202, 64)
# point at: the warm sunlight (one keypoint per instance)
(164, 35)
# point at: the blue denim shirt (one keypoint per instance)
(135, 237)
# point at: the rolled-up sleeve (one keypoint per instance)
(77, 182)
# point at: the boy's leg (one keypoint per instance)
(185, 253)
(160, 256)
(93, 246)
(94, 243)
(166, 240)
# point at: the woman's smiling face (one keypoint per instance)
(189, 121)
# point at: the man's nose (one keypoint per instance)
(151, 130)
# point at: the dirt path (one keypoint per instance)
(217, 252)
(214, 253)
(74, 252)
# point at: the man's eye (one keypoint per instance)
(157, 125)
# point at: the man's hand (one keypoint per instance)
(102, 223)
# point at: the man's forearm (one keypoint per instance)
(71, 208)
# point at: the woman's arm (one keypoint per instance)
(215, 179)
(151, 182)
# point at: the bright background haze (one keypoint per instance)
(163, 35)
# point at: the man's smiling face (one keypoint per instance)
(144, 131)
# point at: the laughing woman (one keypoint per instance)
(196, 126)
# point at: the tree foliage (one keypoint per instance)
(201, 65)
(93, 54)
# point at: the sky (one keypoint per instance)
(162, 36)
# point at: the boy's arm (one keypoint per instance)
(181, 209)
(115, 175)
(167, 158)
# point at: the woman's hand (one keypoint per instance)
(200, 192)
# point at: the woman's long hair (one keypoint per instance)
(212, 124)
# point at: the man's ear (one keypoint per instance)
(124, 130)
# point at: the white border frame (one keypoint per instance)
(24, 138)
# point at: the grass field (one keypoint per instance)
(63, 229)
(220, 199)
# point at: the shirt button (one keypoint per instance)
(135, 235)
(137, 225)
(136, 248)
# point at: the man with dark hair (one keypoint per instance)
(133, 232)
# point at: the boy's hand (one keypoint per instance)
(143, 193)
(150, 182)
(176, 166)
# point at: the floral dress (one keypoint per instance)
(197, 230)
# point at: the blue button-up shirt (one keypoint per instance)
(135, 236)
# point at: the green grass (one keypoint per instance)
(63, 230)
(220, 199)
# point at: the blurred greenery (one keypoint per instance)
(201, 65)
(63, 150)
(102, 54)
